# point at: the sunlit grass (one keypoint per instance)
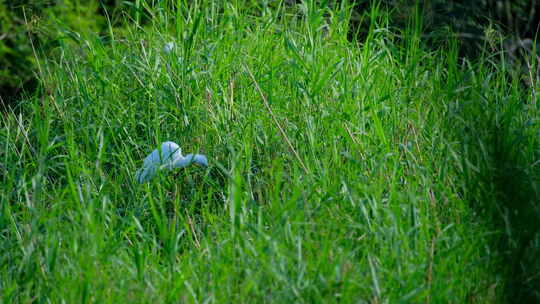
(339, 171)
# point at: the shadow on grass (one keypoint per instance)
(499, 154)
(517, 214)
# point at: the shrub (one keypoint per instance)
(27, 24)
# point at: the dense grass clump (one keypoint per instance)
(340, 171)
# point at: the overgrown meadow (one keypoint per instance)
(375, 170)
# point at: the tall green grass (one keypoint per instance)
(372, 171)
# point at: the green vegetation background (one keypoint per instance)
(416, 177)
(25, 21)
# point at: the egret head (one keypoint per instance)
(198, 159)
(168, 47)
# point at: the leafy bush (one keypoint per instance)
(15, 54)
(27, 24)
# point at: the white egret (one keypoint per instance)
(169, 46)
(168, 157)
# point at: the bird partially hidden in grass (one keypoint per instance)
(167, 157)
(168, 47)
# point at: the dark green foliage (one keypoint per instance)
(518, 17)
(28, 25)
(15, 54)
(22, 20)
(517, 20)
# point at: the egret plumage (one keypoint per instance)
(167, 157)
(168, 47)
